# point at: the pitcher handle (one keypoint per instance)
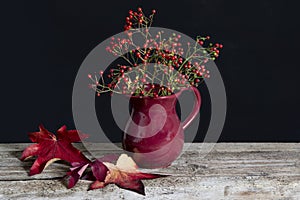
(196, 107)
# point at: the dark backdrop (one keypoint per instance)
(44, 42)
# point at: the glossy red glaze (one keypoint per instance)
(154, 134)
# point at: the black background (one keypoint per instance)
(43, 43)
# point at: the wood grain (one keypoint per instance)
(228, 171)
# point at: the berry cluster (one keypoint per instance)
(159, 61)
(138, 19)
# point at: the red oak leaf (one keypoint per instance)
(125, 175)
(50, 148)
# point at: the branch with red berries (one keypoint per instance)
(159, 60)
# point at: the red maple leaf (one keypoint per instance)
(50, 148)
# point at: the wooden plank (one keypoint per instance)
(229, 171)
(215, 164)
(166, 188)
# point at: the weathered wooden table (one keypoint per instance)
(229, 171)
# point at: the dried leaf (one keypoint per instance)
(98, 170)
(74, 174)
(124, 174)
(50, 148)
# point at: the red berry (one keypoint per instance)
(153, 11)
(221, 46)
(140, 9)
(208, 37)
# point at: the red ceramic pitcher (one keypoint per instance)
(154, 134)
